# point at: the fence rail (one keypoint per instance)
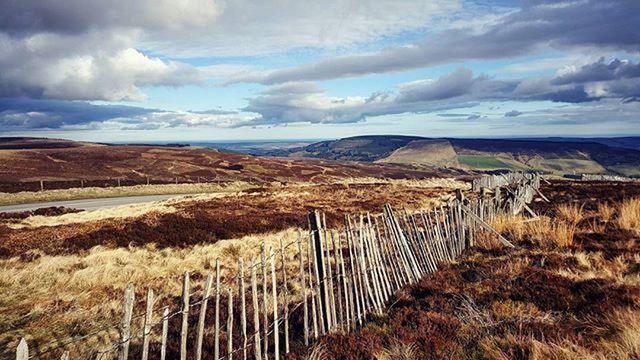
(340, 278)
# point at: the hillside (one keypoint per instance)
(27, 161)
(483, 154)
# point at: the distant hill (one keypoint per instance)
(35, 159)
(554, 155)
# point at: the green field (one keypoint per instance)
(482, 162)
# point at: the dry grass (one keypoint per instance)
(624, 345)
(606, 211)
(88, 289)
(571, 213)
(629, 215)
(137, 190)
(398, 351)
(543, 231)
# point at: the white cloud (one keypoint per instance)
(94, 66)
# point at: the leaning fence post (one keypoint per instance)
(148, 319)
(125, 326)
(203, 314)
(22, 352)
(185, 317)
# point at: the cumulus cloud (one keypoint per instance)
(537, 25)
(93, 66)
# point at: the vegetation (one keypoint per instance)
(482, 162)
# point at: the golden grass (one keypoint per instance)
(629, 215)
(623, 345)
(62, 295)
(606, 211)
(571, 213)
(544, 231)
(595, 266)
(136, 190)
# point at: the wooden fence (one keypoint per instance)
(341, 278)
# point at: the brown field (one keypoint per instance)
(571, 294)
(100, 166)
(65, 272)
(571, 288)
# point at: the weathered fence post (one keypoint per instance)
(148, 320)
(274, 290)
(315, 225)
(165, 333)
(229, 324)
(125, 326)
(185, 316)
(22, 352)
(203, 314)
(256, 312)
(243, 309)
(304, 291)
(216, 346)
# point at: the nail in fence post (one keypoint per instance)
(125, 326)
(185, 316)
(148, 320)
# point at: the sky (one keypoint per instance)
(211, 70)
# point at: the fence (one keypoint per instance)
(332, 280)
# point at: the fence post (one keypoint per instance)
(274, 291)
(216, 350)
(229, 324)
(165, 333)
(125, 326)
(285, 299)
(243, 309)
(22, 352)
(41, 185)
(185, 317)
(304, 291)
(148, 319)
(203, 315)
(316, 232)
(256, 312)
(265, 306)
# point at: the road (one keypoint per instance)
(88, 204)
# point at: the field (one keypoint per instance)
(481, 162)
(571, 290)
(66, 273)
(98, 165)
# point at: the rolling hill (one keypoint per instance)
(554, 156)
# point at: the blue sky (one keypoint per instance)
(225, 70)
